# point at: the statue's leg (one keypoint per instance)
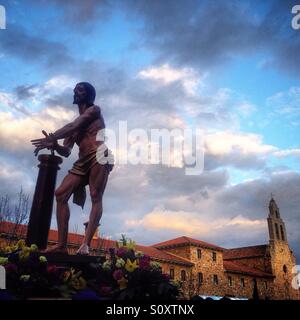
(62, 194)
(97, 183)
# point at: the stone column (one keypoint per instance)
(42, 203)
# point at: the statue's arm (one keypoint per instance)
(65, 149)
(89, 115)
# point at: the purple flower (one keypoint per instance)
(118, 274)
(121, 252)
(10, 267)
(144, 262)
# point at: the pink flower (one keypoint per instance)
(52, 269)
(166, 276)
(118, 274)
(10, 267)
(144, 262)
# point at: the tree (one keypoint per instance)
(19, 215)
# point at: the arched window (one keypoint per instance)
(183, 275)
(200, 278)
(285, 269)
(172, 274)
(277, 231)
(282, 233)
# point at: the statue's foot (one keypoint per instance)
(83, 250)
(57, 249)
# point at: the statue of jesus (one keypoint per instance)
(86, 170)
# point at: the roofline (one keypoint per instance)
(258, 245)
(187, 244)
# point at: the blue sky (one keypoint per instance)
(230, 68)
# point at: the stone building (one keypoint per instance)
(207, 269)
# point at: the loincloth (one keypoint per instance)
(83, 166)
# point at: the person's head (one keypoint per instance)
(84, 92)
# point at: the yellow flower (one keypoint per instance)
(8, 249)
(20, 244)
(34, 248)
(78, 283)
(130, 244)
(3, 261)
(24, 254)
(43, 259)
(130, 266)
(25, 277)
(122, 283)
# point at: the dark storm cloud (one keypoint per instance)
(18, 43)
(24, 92)
(252, 198)
(209, 33)
(78, 11)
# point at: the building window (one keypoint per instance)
(199, 253)
(243, 282)
(214, 256)
(266, 285)
(183, 275)
(282, 233)
(200, 278)
(277, 231)
(230, 281)
(215, 279)
(172, 274)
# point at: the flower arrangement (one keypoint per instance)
(123, 273)
(30, 275)
(129, 274)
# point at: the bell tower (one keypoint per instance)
(277, 231)
(283, 260)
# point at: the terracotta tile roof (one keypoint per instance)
(185, 241)
(99, 243)
(246, 252)
(235, 267)
(164, 256)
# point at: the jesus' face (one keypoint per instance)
(80, 94)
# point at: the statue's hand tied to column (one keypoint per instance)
(49, 142)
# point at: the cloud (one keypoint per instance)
(192, 224)
(16, 133)
(16, 42)
(286, 103)
(203, 34)
(237, 149)
(287, 153)
(77, 12)
(165, 74)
